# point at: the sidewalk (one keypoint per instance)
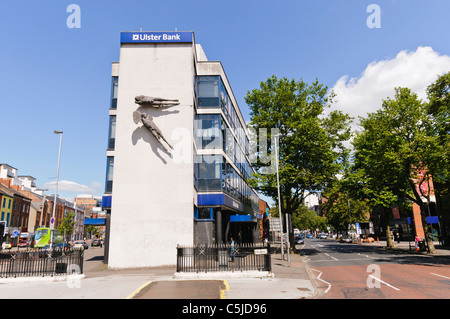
(288, 282)
(99, 282)
(405, 246)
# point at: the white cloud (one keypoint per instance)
(415, 70)
(72, 187)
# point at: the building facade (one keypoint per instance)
(176, 153)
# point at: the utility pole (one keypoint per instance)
(279, 209)
(52, 225)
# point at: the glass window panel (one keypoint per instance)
(208, 86)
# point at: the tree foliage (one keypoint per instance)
(310, 141)
(392, 152)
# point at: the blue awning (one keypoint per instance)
(95, 221)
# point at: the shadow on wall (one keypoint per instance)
(146, 134)
(143, 133)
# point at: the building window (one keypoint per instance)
(114, 89)
(112, 133)
(208, 91)
(203, 213)
(209, 173)
(109, 174)
(208, 132)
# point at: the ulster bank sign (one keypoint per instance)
(156, 37)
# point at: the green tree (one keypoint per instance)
(341, 208)
(391, 153)
(67, 224)
(311, 143)
(438, 109)
(92, 230)
(305, 218)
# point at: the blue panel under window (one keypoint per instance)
(210, 199)
(240, 218)
(106, 201)
(208, 102)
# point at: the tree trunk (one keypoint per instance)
(429, 240)
(389, 241)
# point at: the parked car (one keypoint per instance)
(345, 239)
(80, 244)
(97, 242)
(323, 236)
(64, 246)
(299, 240)
(6, 245)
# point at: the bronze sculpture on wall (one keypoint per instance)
(147, 120)
(143, 100)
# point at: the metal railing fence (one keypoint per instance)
(41, 263)
(214, 257)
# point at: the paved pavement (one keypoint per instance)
(286, 282)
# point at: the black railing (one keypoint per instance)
(207, 258)
(41, 263)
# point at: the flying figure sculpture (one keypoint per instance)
(157, 102)
(147, 120)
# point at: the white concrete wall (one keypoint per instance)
(152, 198)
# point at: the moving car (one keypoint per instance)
(310, 236)
(345, 239)
(299, 240)
(323, 236)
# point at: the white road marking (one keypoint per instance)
(440, 275)
(329, 285)
(331, 256)
(383, 282)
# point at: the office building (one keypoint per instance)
(177, 153)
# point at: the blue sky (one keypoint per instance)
(57, 78)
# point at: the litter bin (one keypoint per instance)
(223, 259)
(61, 268)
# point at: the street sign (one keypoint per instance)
(261, 251)
(358, 229)
(274, 224)
(52, 223)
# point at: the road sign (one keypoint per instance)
(52, 223)
(274, 224)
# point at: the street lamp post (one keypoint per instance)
(52, 225)
(279, 210)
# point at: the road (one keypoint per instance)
(348, 271)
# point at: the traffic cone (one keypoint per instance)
(378, 240)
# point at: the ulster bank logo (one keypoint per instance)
(136, 37)
(156, 37)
